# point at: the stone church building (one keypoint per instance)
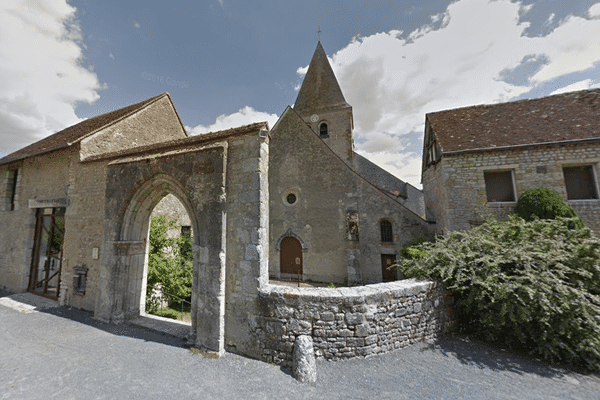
(293, 202)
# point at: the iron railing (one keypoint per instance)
(161, 302)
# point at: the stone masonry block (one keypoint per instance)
(355, 318)
(327, 316)
(361, 330)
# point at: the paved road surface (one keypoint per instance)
(49, 352)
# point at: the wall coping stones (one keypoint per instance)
(356, 294)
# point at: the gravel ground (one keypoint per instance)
(55, 352)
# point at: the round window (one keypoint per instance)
(291, 198)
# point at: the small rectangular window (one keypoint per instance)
(387, 234)
(186, 231)
(580, 182)
(79, 279)
(499, 186)
(13, 176)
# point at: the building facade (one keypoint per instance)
(477, 160)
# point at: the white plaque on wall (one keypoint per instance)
(51, 202)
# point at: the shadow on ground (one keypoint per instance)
(85, 317)
(470, 351)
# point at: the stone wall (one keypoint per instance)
(158, 122)
(351, 322)
(455, 192)
(84, 232)
(247, 237)
(39, 177)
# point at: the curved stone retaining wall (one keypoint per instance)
(351, 322)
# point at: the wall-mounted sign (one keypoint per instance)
(47, 203)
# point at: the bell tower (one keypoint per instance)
(322, 106)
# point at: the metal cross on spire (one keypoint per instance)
(319, 33)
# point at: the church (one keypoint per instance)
(288, 202)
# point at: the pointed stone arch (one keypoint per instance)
(291, 233)
(133, 189)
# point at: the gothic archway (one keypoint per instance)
(133, 189)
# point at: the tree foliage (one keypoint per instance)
(170, 259)
(530, 285)
(544, 203)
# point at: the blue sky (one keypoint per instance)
(227, 63)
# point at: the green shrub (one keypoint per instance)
(169, 260)
(530, 285)
(544, 203)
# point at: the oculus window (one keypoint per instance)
(499, 186)
(580, 182)
(291, 198)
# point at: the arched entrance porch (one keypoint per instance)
(133, 189)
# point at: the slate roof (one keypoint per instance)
(320, 89)
(74, 133)
(567, 117)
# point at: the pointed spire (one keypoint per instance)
(320, 89)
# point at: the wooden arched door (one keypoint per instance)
(290, 257)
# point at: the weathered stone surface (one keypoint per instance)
(305, 366)
(339, 330)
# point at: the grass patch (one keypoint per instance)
(196, 351)
(172, 313)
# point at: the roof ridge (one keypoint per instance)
(561, 118)
(565, 94)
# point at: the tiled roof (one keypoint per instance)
(564, 117)
(72, 134)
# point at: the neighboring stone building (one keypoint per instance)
(52, 211)
(477, 160)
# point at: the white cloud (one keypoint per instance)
(137, 25)
(111, 55)
(581, 85)
(594, 11)
(244, 116)
(392, 80)
(41, 76)
(222, 3)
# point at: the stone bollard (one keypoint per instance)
(304, 367)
